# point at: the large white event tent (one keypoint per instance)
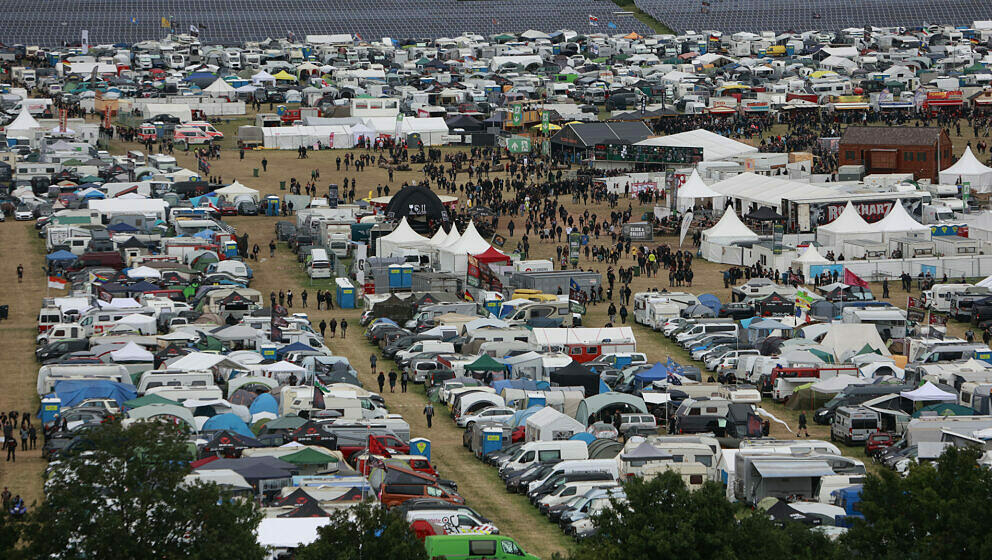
(292, 137)
(811, 256)
(759, 190)
(454, 257)
(717, 241)
(235, 190)
(694, 189)
(968, 170)
(403, 237)
(849, 226)
(898, 223)
(715, 147)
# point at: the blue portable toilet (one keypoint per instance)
(421, 446)
(50, 407)
(272, 205)
(493, 306)
(536, 399)
(395, 276)
(492, 440)
(346, 293)
(406, 276)
(268, 352)
(230, 249)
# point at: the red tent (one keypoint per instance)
(493, 255)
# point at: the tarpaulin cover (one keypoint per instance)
(228, 421)
(74, 392)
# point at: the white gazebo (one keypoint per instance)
(235, 190)
(454, 257)
(846, 227)
(968, 170)
(898, 223)
(694, 189)
(718, 241)
(403, 237)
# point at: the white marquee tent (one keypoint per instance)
(454, 258)
(715, 147)
(898, 223)
(759, 190)
(717, 242)
(694, 189)
(235, 190)
(848, 226)
(403, 237)
(292, 137)
(968, 170)
(220, 88)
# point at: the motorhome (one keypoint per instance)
(426, 315)
(168, 378)
(558, 311)
(540, 451)
(938, 297)
(783, 476)
(181, 394)
(49, 375)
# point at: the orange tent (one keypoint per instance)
(633, 36)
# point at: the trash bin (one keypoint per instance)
(637, 271)
(254, 172)
(282, 185)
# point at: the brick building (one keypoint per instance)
(889, 149)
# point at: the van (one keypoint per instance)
(206, 128)
(568, 467)
(318, 265)
(188, 135)
(551, 310)
(544, 451)
(424, 346)
(451, 521)
(482, 547)
(706, 329)
(391, 495)
(853, 424)
(62, 331)
(49, 375)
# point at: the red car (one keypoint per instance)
(878, 442)
(228, 209)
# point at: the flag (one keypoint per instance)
(611, 25)
(468, 296)
(134, 20)
(320, 386)
(499, 240)
(193, 30)
(57, 283)
(166, 24)
(593, 20)
(684, 229)
(359, 36)
(852, 279)
(574, 291)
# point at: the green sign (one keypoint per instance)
(518, 145)
(778, 231)
(545, 122)
(574, 246)
(965, 193)
(517, 115)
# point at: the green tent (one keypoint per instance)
(147, 400)
(284, 423)
(485, 362)
(309, 456)
(946, 409)
(825, 356)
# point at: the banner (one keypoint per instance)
(574, 246)
(517, 115)
(84, 41)
(63, 120)
(684, 228)
(778, 231)
(545, 122)
(57, 283)
(473, 275)
(915, 311)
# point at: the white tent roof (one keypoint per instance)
(928, 392)
(143, 272)
(289, 532)
(263, 76)
(967, 165)
(219, 86)
(811, 255)
(729, 227)
(715, 147)
(838, 383)
(237, 189)
(471, 242)
(131, 352)
(897, 220)
(283, 367)
(695, 188)
(203, 360)
(23, 122)
(767, 191)
(453, 237)
(440, 236)
(849, 221)
(403, 235)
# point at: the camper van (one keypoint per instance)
(557, 311)
(167, 378)
(49, 375)
(318, 264)
(542, 451)
(853, 424)
(938, 297)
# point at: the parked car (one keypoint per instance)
(878, 442)
(638, 425)
(498, 414)
(736, 311)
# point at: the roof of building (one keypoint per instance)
(889, 135)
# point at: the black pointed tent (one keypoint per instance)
(576, 375)
(421, 207)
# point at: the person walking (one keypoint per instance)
(33, 434)
(289, 298)
(24, 437)
(885, 288)
(265, 165)
(382, 381)
(802, 425)
(272, 248)
(11, 445)
(429, 414)
(392, 381)
(303, 298)
(20, 273)
(323, 329)
(333, 325)
(623, 314)
(404, 379)
(344, 327)
(373, 359)
(612, 312)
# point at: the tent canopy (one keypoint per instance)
(729, 228)
(928, 393)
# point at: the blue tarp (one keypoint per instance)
(521, 416)
(74, 392)
(524, 384)
(61, 255)
(121, 227)
(584, 436)
(204, 234)
(264, 403)
(656, 373)
(143, 286)
(294, 347)
(711, 301)
(227, 421)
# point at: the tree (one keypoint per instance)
(120, 494)
(937, 511)
(661, 518)
(364, 532)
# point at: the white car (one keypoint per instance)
(23, 213)
(498, 414)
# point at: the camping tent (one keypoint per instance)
(968, 170)
(575, 375)
(220, 88)
(602, 403)
(928, 393)
(235, 190)
(548, 424)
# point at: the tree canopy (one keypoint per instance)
(121, 495)
(365, 531)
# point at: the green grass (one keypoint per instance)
(657, 26)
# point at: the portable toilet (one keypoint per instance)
(50, 407)
(421, 446)
(395, 276)
(272, 205)
(536, 399)
(406, 276)
(492, 440)
(268, 351)
(346, 293)
(230, 249)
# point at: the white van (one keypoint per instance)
(169, 378)
(729, 328)
(853, 424)
(569, 490)
(582, 465)
(425, 346)
(318, 265)
(542, 451)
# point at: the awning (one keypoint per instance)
(791, 469)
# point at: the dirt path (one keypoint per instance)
(17, 344)
(478, 483)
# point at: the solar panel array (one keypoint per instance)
(805, 15)
(231, 22)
